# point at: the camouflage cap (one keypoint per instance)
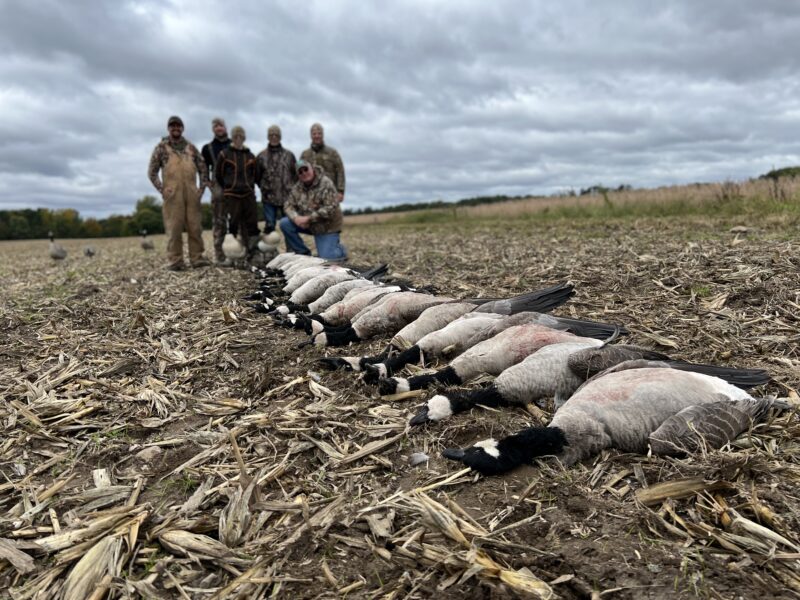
(238, 130)
(174, 120)
(317, 126)
(217, 121)
(274, 129)
(303, 163)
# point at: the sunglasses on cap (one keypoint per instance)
(173, 124)
(302, 170)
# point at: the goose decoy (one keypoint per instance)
(89, 251)
(146, 243)
(616, 410)
(57, 251)
(233, 248)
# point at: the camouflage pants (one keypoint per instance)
(219, 220)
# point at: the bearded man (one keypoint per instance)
(180, 164)
(326, 158)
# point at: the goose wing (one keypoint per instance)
(591, 361)
(709, 425)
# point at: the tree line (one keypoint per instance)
(30, 223)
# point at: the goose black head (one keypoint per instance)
(492, 457)
(373, 373)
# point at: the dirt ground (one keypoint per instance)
(162, 440)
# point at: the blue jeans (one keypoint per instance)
(328, 244)
(271, 213)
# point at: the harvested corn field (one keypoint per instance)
(162, 440)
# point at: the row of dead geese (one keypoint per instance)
(58, 252)
(606, 395)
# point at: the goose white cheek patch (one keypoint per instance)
(316, 327)
(490, 447)
(353, 362)
(402, 384)
(321, 340)
(381, 369)
(292, 319)
(439, 408)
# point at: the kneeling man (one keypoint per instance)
(313, 208)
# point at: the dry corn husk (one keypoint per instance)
(101, 560)
(186, 543)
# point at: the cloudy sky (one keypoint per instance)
(425, 99)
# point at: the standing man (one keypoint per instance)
(237, 172)
(210, 152)
(327, 158)
(313, 208)
(180, 164)
(278, 175)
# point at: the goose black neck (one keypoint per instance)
(447, 376)
(341, 338)
(521, 448)
(394, 363)
(461, 401)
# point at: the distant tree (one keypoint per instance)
(147, 216)
(784, 172)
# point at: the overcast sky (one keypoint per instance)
(423, 99)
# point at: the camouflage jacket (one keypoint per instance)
(318, 201)
(328, 158)
(237, 171)
(160, 157)
(278, 174)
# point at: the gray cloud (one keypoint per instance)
(424, 100)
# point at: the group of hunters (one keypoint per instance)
(299, 196)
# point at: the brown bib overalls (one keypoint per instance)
(181, 207)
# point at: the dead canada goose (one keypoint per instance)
(558, 370)
(619, 410)
(57, 251)
(507, 348)
(453, 326)
(146, 243)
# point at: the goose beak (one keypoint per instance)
(421, 417)
(453, 454)
(304, 344)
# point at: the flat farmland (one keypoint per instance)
(162, 440)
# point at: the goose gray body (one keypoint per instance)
(621, 409)
(431, 319)
(393, 312)
(353, 302)
(307, 274)
(315, 287)
(491, 356)
(545, 373)
(336, 293)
